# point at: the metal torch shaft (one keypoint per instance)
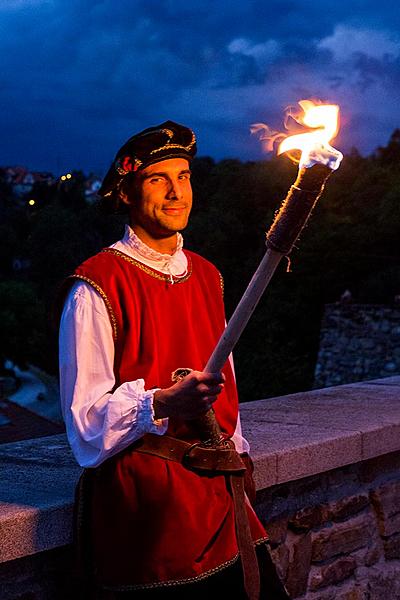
(282, 235)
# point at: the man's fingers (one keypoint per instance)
(209, 390)
(215, 390)
(212, 378)
(208, 401)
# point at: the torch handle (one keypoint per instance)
(207, 427)
(243, 311)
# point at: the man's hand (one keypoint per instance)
(189, 398)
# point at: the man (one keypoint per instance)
(134, 314)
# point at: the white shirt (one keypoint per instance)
(100, 419)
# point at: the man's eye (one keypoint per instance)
(184, 176)
(156, 180)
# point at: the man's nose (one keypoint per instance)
(175, 191)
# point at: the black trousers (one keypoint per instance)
(229, 582)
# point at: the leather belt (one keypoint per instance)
(223, 460)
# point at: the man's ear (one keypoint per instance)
(125, 199)
(128, 191)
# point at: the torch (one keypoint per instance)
(318, 160)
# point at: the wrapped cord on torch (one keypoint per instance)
(296, 208)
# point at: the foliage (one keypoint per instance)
(350, 243)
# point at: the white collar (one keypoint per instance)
(171, 264)
(132, 240)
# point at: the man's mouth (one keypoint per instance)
(174, 210)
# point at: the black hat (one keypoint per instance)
(168, 140)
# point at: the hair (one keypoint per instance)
(113, 203)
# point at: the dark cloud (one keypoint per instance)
(81, 76)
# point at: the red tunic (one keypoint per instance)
(154, 521)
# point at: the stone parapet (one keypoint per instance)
(328, 477)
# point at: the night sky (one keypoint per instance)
(79, 77)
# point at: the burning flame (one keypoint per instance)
(322, 124)
(323, 119)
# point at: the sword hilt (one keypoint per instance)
(206, 426)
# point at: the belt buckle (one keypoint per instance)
(186, 462)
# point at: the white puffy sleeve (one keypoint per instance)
(100, 419)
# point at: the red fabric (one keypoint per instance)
(154, 520)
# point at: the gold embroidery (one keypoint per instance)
(169, 145)
(106, 301)
(148, 270)
(164, 584)
(221, 281)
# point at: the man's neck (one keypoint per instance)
(165, 245)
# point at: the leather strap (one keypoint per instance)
(224, 460)
(251, 573)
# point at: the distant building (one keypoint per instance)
(92, 186)
(22, 180)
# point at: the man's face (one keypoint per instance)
(162, 199)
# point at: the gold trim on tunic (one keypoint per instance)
(221, 281)
(176, 582)
(149, 270)
(105, 298)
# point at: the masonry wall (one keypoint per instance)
(43, 576)
(358, 342)
(336, 536)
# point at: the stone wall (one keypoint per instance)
(358, 342)
(43, 576)
(327, 470)
(336, 536)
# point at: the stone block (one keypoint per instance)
(333, 573)
(354, 592)
(380, 439)
(341, 480)
(368, 556)
(329, 594)
(342, 509)
(384, 582)
(390, 525)
(299, 564)
(348, 590)
(386, 498)
(373, 555)
(44, 576)
(380, 466)
(280, 556)
(309, 518)
(277, 531)
(386, 502)
(265, 470)
(310, 450)
(341, 538)
(391, 547)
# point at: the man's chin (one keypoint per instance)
(172, 226)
